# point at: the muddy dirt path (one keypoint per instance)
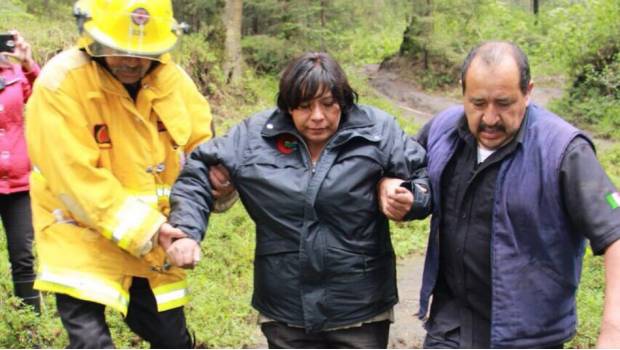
(407, 331)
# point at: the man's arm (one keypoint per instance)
(586, 191)
(202, 130)
(192, 198)
(406, 199)
(404, 192)
(610, 326)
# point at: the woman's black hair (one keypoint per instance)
(312, 74)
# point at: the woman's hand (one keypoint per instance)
(394, 201)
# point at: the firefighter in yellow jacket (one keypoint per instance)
(108, 127)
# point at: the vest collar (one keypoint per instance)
(160, 80)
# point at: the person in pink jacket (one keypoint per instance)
(16, 81)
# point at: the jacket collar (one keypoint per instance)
(160, 80)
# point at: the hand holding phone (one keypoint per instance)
(14, 45)
(7, 42)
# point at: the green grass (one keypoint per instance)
(589, 302)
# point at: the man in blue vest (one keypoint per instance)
(517, 190)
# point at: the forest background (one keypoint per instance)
(235, 52)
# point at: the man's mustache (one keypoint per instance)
(483, 127)
(131, 70)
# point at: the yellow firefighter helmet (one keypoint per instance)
(141, 28)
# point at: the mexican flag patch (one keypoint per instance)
(613, 199)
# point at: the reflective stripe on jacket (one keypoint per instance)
(104, 166)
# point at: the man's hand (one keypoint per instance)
(184, 253)
(167, 234)
(394, 201)
(220, 181)
(609, 336)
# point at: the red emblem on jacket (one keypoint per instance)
(102, 136)
(286, 143)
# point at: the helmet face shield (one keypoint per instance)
(96, 49)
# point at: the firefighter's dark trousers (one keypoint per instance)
(85, 321)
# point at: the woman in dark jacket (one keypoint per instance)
(15, 87)
(307, 172)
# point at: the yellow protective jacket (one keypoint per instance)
(103, 167)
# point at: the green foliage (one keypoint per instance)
(201, 15)
(574, 29)
(276, 30)
(47, 34)
(579, 40)
(258, 93)
(52, 8)
(201, 60)
(610, 160)
(583, 38)
(593, 99)
(554, 41)
(267, 54)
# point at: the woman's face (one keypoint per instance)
(318, 119)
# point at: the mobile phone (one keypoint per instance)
(7, 42)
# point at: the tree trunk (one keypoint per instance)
(323, 9)
(535, 6)
(428, 29)
(417, 35)
(233, 16)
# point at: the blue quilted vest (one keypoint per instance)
(536, 255)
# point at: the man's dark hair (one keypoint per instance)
(492, 52)
(310, 74)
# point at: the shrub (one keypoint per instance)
(267, 54)
(593, 99)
